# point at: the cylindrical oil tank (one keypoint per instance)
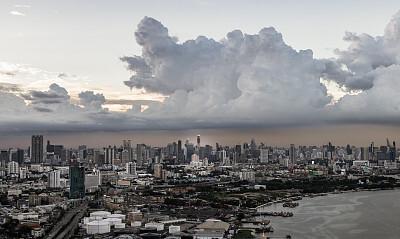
(98, 227)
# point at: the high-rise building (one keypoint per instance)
(131, 168)
(189, 151)
(264, 155)
(139, 155)
(126, 145)
(198, 141)
(93, 180)
(12, 168)
(125, 156)
(23, 172)
(158, 170)
(54, 179)
(180, 151)
(292, 154)
(109, 155)
(77, 180)
(37, 149)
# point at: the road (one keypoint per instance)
(75, 214)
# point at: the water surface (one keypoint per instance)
(366, 214)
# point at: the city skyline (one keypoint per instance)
(266, 75)
(312, 136)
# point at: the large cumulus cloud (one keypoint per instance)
(354, 68)
(241, 80)
(242, 76)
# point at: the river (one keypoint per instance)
(365, 214)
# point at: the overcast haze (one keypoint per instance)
(157, 71)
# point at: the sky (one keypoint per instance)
(158, 70)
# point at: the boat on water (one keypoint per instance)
(282, 214)
(290, 204)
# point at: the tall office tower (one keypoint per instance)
(348, 150)
(253, 145)
(12, 168)
(139, 156)
(363, 153)
(77, 180)
(180, 152)
(37, 149)
(131, 168)
(189, 152)
(49, 147)
(12, 155)
(54, 179)
(170, 150)
(125, 156)
(292, 154)
(126, 145)
(264, 155)
(198, 141)
(158, 170)
(109, 155)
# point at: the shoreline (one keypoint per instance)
(307, 195)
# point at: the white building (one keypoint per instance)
(54, 179)
(248, 176)
(264, 155)
(131, 168)
(23, 173)
(13, 168)
(93, 181)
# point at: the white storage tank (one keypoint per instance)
(174, 229)
(159, 226)
(102, 214)
(121, 216)
(98, 227)
(113, 221)
(119, 225)
(86, 220)
(136, 224)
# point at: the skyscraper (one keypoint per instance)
(158, 170)
(77, 178)
(292, 154)
(264, 155)
(109, 155)
(131, 168)
(54, 179)
(126, 145)
(139, 156)
(198, 141)
(37, 149)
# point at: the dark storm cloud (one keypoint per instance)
(54, 95)
(41, 109)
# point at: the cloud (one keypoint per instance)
(41, 109)
(255, 75)
(22, 6)
(354, 67)
(92, 101)
(129, 102)
(56, 94)
(239, 81)
(16, 13)
(7, 87)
